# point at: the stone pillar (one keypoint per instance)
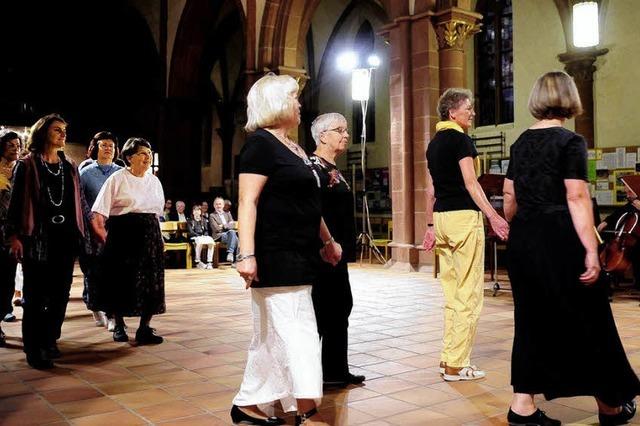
(413, 91)
(453, 26)
(580, 65)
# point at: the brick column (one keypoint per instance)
(580, 65)
(453, 26)
(413, 92)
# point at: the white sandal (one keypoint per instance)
(465, 373)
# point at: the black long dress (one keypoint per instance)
(566, 342)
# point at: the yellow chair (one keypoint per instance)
(175, 228)
(384, 242)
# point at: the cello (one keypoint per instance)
(616, 256)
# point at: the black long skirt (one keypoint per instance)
(132, 271)
(566, 342)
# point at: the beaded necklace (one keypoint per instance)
(55, 174)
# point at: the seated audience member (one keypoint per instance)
(204, 207)
(201, 236)
(168, 205)
(178, 214)
(227, 206)
(223, 228)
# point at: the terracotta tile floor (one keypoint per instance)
(190, 379)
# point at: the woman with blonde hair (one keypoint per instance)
(566, 343)
(280, 229)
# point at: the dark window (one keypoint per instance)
(494, 63)
(364, 45)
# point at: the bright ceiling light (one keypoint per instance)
(347, 61)
(374, 61)
(585, 24)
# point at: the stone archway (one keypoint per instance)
(186, 121)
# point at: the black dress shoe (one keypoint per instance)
(36, 361)
(239, 416)
(627, 412)
(3, 341)
(148, 336)
(120, 334)
(301, 419)
(536, 419)
(351, 379)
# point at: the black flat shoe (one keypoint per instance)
(240, 417)
(539, 418)
(148, 336)
(120, 334)
(53, 352)
(303, 417)
(39, 363)
(627, 412)
(351, 379)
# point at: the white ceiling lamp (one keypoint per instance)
(585, 24)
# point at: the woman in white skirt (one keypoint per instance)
(281, 229)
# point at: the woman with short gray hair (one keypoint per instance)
(455, 203)
(332, 298)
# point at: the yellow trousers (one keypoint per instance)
(460, 245)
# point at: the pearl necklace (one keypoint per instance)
(44, 163)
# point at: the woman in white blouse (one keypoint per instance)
(125, 218)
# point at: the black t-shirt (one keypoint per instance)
(540, 161)
(445, 150)
(337, 206)
(288, 213)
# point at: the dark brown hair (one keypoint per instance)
(38, 134)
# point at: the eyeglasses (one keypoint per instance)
(341, 130)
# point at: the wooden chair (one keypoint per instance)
(384, 242)
(175, 228)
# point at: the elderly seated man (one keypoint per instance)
(223, 228)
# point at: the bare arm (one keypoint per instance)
(498, 224)
(429, 240)
(510, 203)
(581, 211)
(98, 225)
(251, 186)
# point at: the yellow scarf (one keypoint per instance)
(445, 125)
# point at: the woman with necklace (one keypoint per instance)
(281, 228)
(331, 293)
(45, 228)
(132, 282)
(565, 343)
(103, 148)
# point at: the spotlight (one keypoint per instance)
(374, 61)
(347, 61)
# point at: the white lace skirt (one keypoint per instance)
(284, 361)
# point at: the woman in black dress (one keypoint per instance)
(566, 342)
(280, 231)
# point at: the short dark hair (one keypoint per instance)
(92, 152)
(131, 147)
(38, 134)
(7, 136)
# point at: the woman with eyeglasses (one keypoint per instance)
(126, 214)
(45, 227)
(332, 298)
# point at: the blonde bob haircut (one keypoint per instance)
(554, 95)
(269, 102)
